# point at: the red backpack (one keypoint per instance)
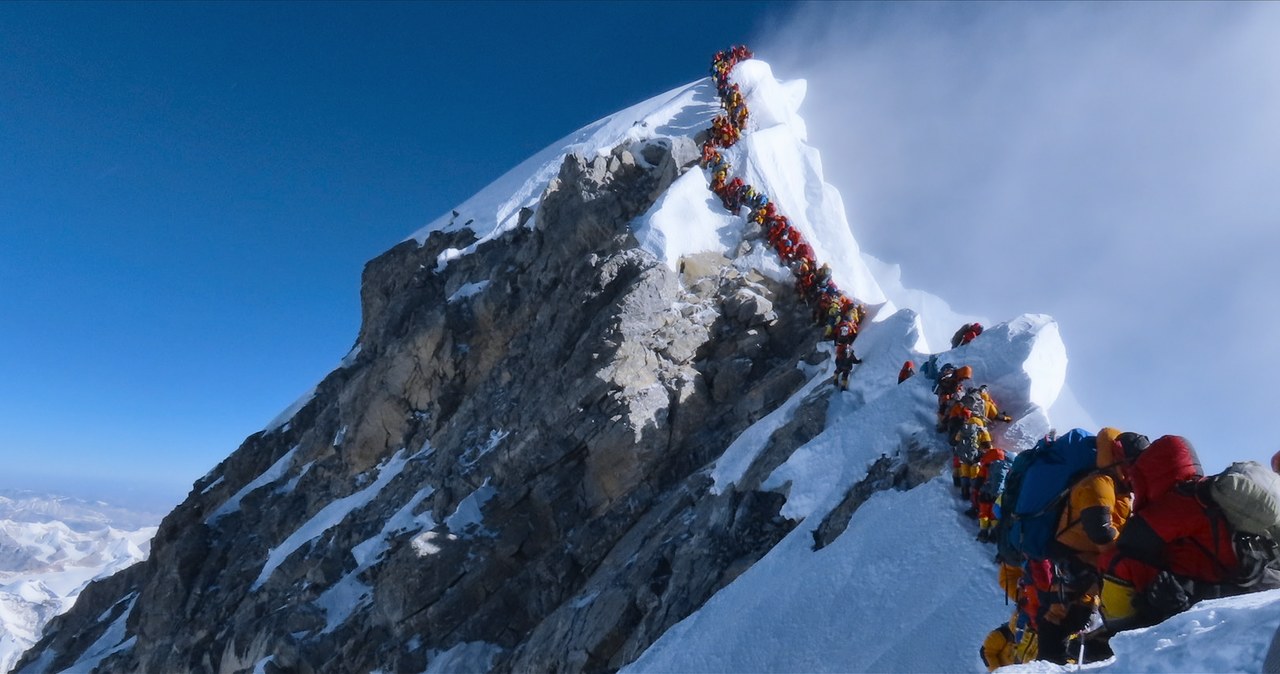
(1169, 460)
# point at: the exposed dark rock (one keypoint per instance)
(523, 466)
(909, 467)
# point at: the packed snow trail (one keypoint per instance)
(842, 314)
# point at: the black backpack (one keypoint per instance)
(943, 374)
(1259, 558)
(1007, 552)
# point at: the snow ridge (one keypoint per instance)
(904, 587)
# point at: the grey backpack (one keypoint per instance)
(975, 403)
(967, 443)
(1248, 494)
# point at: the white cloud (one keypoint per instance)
(1113, 165)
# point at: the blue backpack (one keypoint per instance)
(1044, 489)
(997, 475)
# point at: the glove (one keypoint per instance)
(1056, 613)
(1166, 596)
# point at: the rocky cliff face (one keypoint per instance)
(509, 471)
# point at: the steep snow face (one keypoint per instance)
(688, 219)
(50, 548)
(857, 605)
(775, 158)
(904, 588)
(496, 209)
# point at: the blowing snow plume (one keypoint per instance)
(1108, 164)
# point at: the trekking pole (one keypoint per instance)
(1080, 660)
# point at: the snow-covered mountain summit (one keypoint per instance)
(78, 514)
(587, 425)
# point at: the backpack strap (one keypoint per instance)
(1097, 471)
(1228, 575)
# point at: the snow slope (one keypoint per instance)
(495, 209)
(905, 588)
(906, 571)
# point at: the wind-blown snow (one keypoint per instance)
(349, 594)
(905, 587)
(938, 321)
(774, 157)
(496, 209)
(272, 474)
(330, 516)
(467, 518)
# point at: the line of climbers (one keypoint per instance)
(964, 412)
(967, 333)
(839, 315)
(1100, 533)
(1095, 533)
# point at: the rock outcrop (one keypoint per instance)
(509, 471)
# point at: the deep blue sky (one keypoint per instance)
(188, 193)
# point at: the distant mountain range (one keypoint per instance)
(50, 548)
